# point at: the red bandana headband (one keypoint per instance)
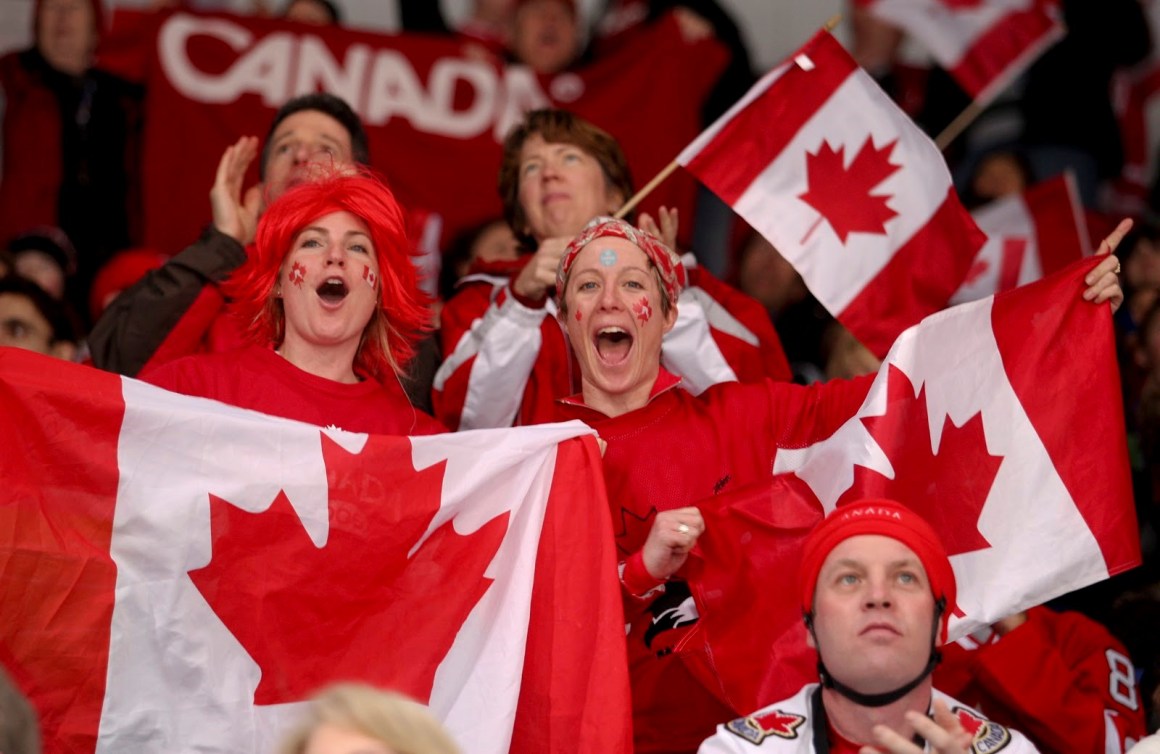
(668, 264)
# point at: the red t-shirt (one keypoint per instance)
(259, 379)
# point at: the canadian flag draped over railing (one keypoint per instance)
(999, 421)
(1029, 235)
(180, 575)
(983, 44)
(819, 161)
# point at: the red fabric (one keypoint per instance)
(1057, 678)
(866, 213)
(577, 683)
(57, 508)
(552, 374)
(451, 112)
(259, 379)
(32, 150)
(65, 678)
(733, 431)
(1030, 346)
(886, 518)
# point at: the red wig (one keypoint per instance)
(402, 314)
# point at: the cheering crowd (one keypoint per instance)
(300, 299)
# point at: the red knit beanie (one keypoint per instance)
(888, 519)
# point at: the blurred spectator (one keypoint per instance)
(69, 139)
(19, 730)
(346, 718)
(477, 249)
(806, 329)
(488, 25)
(545, 35)
(121, 272)
(998, 173)
(46, 257)
(316, 12)
(1066, 104)
(33, 320)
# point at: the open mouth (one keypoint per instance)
(613, 344)
(333, 291)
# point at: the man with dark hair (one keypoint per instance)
(877, 590)
(35, 321)
(172, 310)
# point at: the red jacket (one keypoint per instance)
(1060, 678)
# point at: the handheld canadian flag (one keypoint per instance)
(819, 161)
(983, 44)
(1029, 235)
(179, 575)
(999, 421)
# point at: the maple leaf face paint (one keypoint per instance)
(327, 304)
(297, 274)
(642, 309)
(613, 291)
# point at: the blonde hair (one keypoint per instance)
(406, 726)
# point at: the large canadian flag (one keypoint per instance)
(1029, 235)
(999, 421)
(983, 44)
(819, 161)
(179, 575)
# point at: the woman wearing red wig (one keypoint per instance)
(330, 304)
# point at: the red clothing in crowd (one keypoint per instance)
(1061, 678)
(676, 450)
(259, 379)
(506, 362)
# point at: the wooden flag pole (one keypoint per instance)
(639, 196)
(959, 124)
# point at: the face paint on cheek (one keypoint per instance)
(579, 315)
(642, 309)
(297, 274)
(608, 257)
(370, 277)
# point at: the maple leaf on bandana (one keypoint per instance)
(842, 195)
(948, 488)
(372, 583)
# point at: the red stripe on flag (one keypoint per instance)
(918, 280)
(56, 516)
(1054, 209)
(1037, 337)
(1001, 47)
(1010, 262)
(574, 695)
(756, 135)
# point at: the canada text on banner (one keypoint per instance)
(180, 575)
(1029, 235)
(819, 161)
(435, 118)
(999, 421)
(983, 45)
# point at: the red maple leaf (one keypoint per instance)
(949, 488)
(359, 607)
(842, 195)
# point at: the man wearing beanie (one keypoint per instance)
(876, 591)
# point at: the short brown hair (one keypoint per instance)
(557, 127)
